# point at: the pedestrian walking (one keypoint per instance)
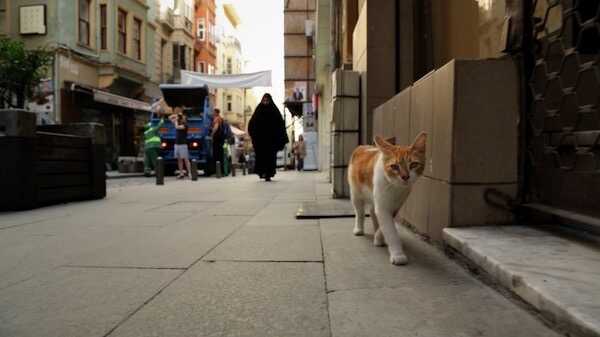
(267, 130)
(218, 139)
(181, 147)
(299, 150)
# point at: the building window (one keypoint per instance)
(176, 57)
(122, 23)
(137, 39)
(201, 30)
(103, 26)
(179, 56)
(161, 59)
(228, 102)
(201, 67)
(84, 22)
(229, 66)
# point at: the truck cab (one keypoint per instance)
(196, 106)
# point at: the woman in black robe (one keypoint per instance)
(267, 130)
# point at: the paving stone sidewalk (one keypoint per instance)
(226, 257)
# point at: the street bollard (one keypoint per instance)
(194, 169)
(244, 168)
(218, 169)
(160, 171)
(233, 170)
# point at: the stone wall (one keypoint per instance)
(469, 110)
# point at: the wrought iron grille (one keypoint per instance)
(563, 155)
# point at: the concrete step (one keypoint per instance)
(558, 276)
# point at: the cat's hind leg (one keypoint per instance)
(359, 211)
(378, 239)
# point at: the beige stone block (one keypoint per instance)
(340, 187)
(421, 105)
(434, 205)
(294, 22)
(383, 120)
(378, 115)
(458, 205)
(440, 208)
(416, 207)
(346, 113)
(367, 126)
(298, 67)
(345, 83)
(440, 141)
(296, 45)
(401, 111)
(421, 112)
(475, 122)
(469, 207)
(343, 144)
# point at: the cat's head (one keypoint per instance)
(403, 165)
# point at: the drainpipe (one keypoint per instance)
(56, 82)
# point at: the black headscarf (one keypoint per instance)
(266, 127)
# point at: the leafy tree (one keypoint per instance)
(21, 71)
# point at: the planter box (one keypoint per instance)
(50, 168)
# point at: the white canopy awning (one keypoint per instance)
(250, 80)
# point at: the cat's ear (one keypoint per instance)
(391, 140)
(420, 143)
(384, 146)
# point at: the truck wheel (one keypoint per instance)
(170, 170)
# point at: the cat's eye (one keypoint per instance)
(414, 165)
(395, 167)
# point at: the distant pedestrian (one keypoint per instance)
(218, 139)
(299, 152)
(267, 130)
(181, 147)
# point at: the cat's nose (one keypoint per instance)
(405, 178)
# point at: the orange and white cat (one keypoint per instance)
(381, 177)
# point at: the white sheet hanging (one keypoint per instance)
(250, 80)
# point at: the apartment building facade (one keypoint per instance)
(103, 63)
(205, 46)
(109, 58)
(229, 61)
(182, 37)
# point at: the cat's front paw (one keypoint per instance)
(398, 259)
(358, 232)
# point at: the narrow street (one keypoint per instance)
(226, 257)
